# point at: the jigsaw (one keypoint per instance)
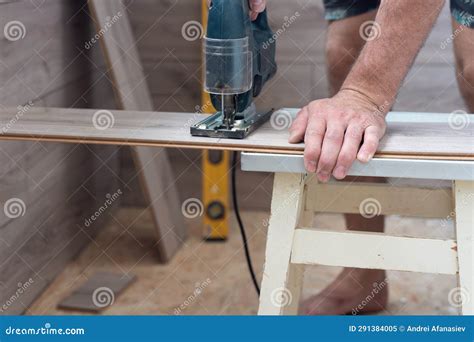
(239, 56)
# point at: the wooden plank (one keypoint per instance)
(379, 199)
(281, 283)
(464, 199)
(374, 251)
(424, 140)
(132, 93)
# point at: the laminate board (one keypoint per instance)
(422, 135)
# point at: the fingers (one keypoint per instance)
(257, 7)
(331, 147)
(298, 128)
(348, 152)
(372, 137)
(313, 142)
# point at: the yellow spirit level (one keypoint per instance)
(215, 181)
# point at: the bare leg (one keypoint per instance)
(352, 286)
(464, 51)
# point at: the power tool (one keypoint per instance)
(239, 57)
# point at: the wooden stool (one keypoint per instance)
(291, 243)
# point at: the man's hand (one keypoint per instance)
(337, 131)
(333, 129)
(256, 7)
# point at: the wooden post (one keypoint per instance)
(282, 281)
(464, 209)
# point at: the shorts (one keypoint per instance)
(461, 10)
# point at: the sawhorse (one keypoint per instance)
(293, 243)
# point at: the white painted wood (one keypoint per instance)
(296, 271)
(378, 199)
(294, 286)
(464, 203)
(443, 168)
(281, 282)
(404, 117)
(374, 251)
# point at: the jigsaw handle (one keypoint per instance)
(248, 48)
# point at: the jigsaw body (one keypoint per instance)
(239, 59)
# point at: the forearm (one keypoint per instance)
(385, 60)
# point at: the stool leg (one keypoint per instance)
(464, 207)
(282, 281)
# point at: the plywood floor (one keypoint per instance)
(126, 246)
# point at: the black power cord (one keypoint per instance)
(241, 225)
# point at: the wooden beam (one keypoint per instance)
(161, 129)
(131, 90)
(379, 199)
(282, 281)
(374, 251)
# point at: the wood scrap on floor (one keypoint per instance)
(97, 293)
